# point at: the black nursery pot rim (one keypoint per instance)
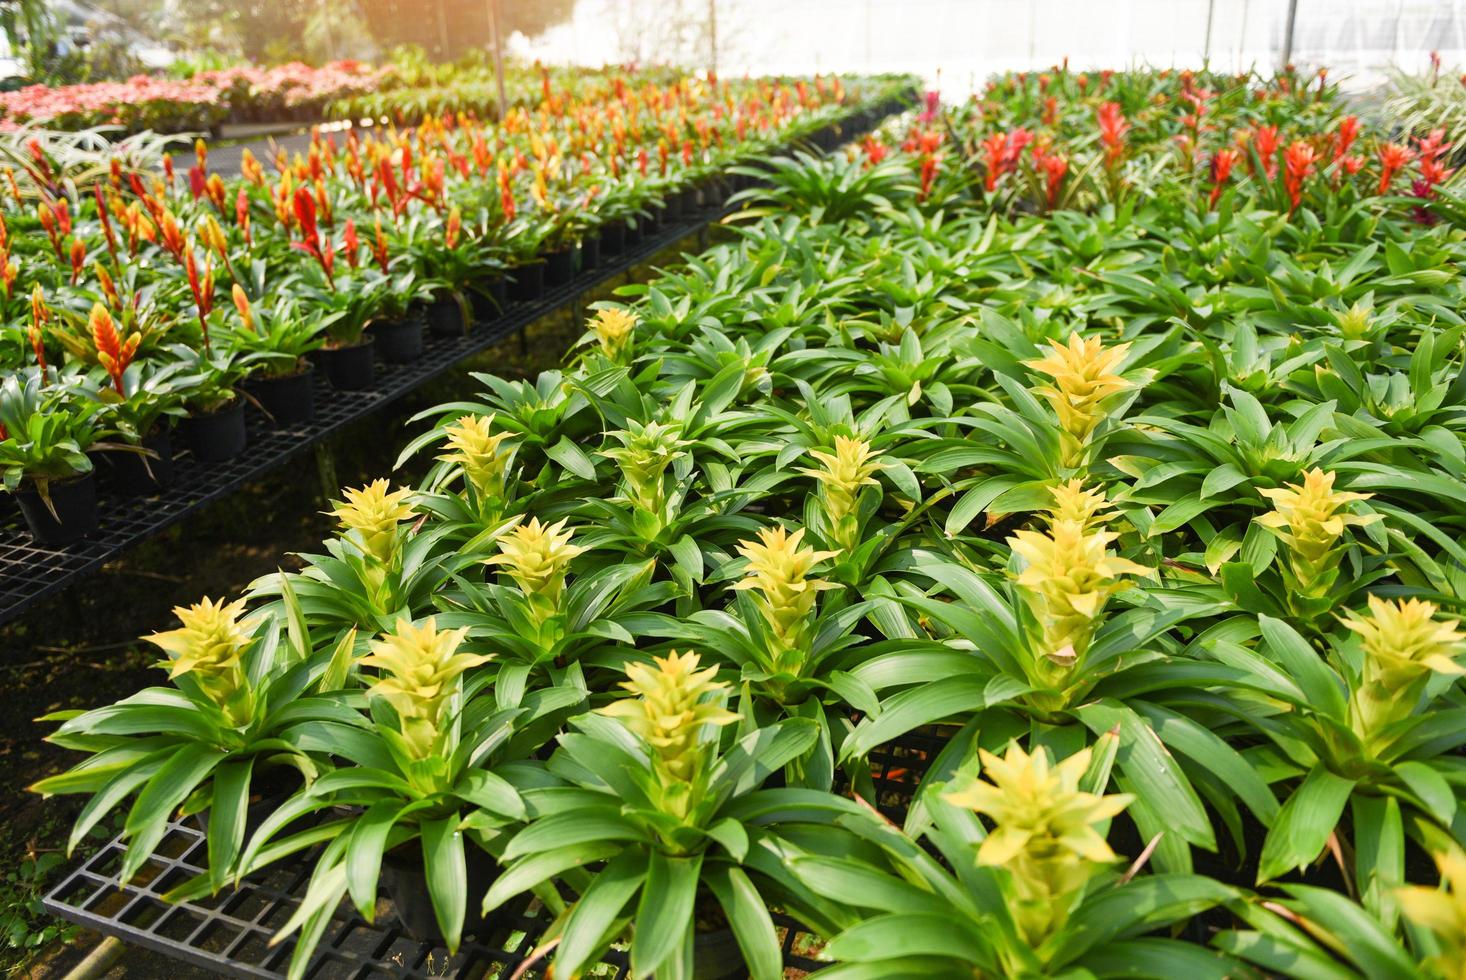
(362, 341)
(235, 404)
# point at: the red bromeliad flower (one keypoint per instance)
(1392, 159)
(203, 293)
(241, 304)
(305, 217)
(1112, 127)
(113, 353)
(379, 248)
(172, 236)
(1266, 141)
(47, 218)
(1003, 151)
(875, 150)
(350, 243)
(1344, 139)
(453, 228)
(78, 256)
(241, 214)
(106, 222)
(1222, 163)
(1054, 167)
(1298, 161)
(40, 315)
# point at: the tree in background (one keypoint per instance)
(449, 29)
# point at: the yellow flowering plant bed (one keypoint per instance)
(957, 528)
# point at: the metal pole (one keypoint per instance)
(1211, 12)
(493, 7)
(713, 35)
(442, 32)
(1288, 33)
(326, 26)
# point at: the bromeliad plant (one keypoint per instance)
(211, 740)
(438, 759)
(1032, 891)
(689, 841)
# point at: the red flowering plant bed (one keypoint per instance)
(1058, 139)
(189, 294)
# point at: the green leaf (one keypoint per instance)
(664, 914)
(572, 457)
(924, 705)
(1319, 684)
(147, 821)
(538, 868)
(910, 934)
(364, 854)
(447, 874)
(588, 928)
(1304, 824)
(1155, 775)
(227, 810)
(753, 927)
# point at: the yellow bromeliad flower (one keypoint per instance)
(537, 556)
(1044, 830)
(614, 329)
(208, 646)
(850, 467)
(374, 512)
(1310, 519)
(778, 568)
(1088, 508)
(1084, 376)
(1403, 645)
(474, 445)
(645, 452)
(1442, 911)
(673, 703)
(420, 668)
(1070, 575)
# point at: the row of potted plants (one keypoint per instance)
(1154, 508)
(242, 93)
(153, 296)
(1054, 140)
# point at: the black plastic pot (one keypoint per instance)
(688, 202)
(489, 299)
(635, 232)
(559, 267)
(590, 253)
(288, 400)
(349, 368)
(405, 882)
(218, 436)
(74, 500)
(269, 788)
(445, 317)
(138, 474)
(715, 956)
(399, 341)
(529, 282)
(613, 239)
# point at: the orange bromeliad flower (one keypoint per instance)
(1298, 161)
(1222, 163)
(1392, 159)
(113, 353)
(78, 256)
(1266, 141)
(1112, 127)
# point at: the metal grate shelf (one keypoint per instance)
(30, 572)
(229, 933)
